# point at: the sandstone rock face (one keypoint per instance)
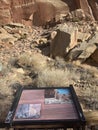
(22, 9)
(40, 12)
(83, 4)
(90, 7)
(5, 16)
(36, 12)
(94, 7)
(65, 39)
(95, 56)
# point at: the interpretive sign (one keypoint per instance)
(46, 106)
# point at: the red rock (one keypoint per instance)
(22, 9)
(94, 6)
(5, 16)
(30, 11)
(89, 6)
(64, 40)
(40, 12)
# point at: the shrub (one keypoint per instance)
(55, 78)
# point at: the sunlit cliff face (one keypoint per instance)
(41, 11)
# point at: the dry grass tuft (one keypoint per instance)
(55, 78)
(32, 61)
(4, 89)
(91, 117)
(5, 99)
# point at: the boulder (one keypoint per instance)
(23, 9)
(85, 50)
(79, 13)
(64, 40)
(76, 15)
(5, 37)
(83, 36)
(45, 13)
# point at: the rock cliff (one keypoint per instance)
(38, 12)
(35, 11)
(90, 7)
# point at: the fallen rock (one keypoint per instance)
(48, 12)
(20, 70)
(76, 15)
(64, 40)
(87, 52)
(84, 50)
(83, 36)
(5, 37)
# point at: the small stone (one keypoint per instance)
(20, 70)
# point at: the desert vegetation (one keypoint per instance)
(61, 50)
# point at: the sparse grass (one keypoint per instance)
(4, 89)
(32, 61)
(91, 117)
(55, 78)
(5, 98)
(4, 70)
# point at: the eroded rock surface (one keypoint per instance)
(30, 12)
(5, 15)
(85, 49)
(65, 39)
(90, 7)
(40, 12)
